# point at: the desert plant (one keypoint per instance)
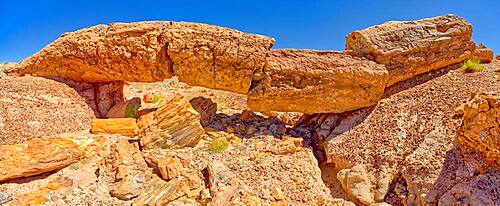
(155, 99)
(473, 65)
(131, 111)
(218, 145)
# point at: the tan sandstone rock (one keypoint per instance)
(311, 81)
(174, 124)
(480, 129)
(484, 55)
(33, 107)
(123, 126)
(409, 48)
(216, 57)
(130, 168)
(199, 54)
(36, 157)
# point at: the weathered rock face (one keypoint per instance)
(200, 54)
(409, 135)
(216, 57)
(480, 129)
(101, 97)
(103, 53)
(130, 169)
(36, 157)
(310, 81)
(174, 124)
(482, 190)
(484, 55)
(35, 107)
(7, 67)
(409, 48)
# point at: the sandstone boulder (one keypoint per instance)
(33, 107)
(200, 54)
(174, 124)
(36, 157)
(125, 109)
(310, 81)
(409, 48)
(480, 129)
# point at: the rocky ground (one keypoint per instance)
(384, 122)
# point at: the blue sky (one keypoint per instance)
(27, 26)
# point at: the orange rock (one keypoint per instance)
(36, 157)
(200, 54)
(484, 55)
(409, 48)
(311, 82)
(124, 126)
(39, 196)
(174, 124)
(130, 169)
(148, 98)
(480, 129)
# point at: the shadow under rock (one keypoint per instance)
(23, 180)
(417, 80)
(248, 124)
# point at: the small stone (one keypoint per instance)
(277, 194)
(4, 197)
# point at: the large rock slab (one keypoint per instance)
(409, 135)
(174, 124)
(33, 107)
(311, 81)
(36, 157)
(200, 54)
(409, 48)
(216, 57)
(480, 129)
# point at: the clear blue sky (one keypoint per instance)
(27, 26)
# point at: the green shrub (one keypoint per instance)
(473, 65)
(155, 99)
(131, 111)
(218, 145)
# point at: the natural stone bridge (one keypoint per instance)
(96, 61)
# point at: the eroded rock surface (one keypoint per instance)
(33, 107)
(174, 124)
(409, 48)
(200, 54)
(410, 132)
(36, 157)
(480, 129)
(310, 82)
